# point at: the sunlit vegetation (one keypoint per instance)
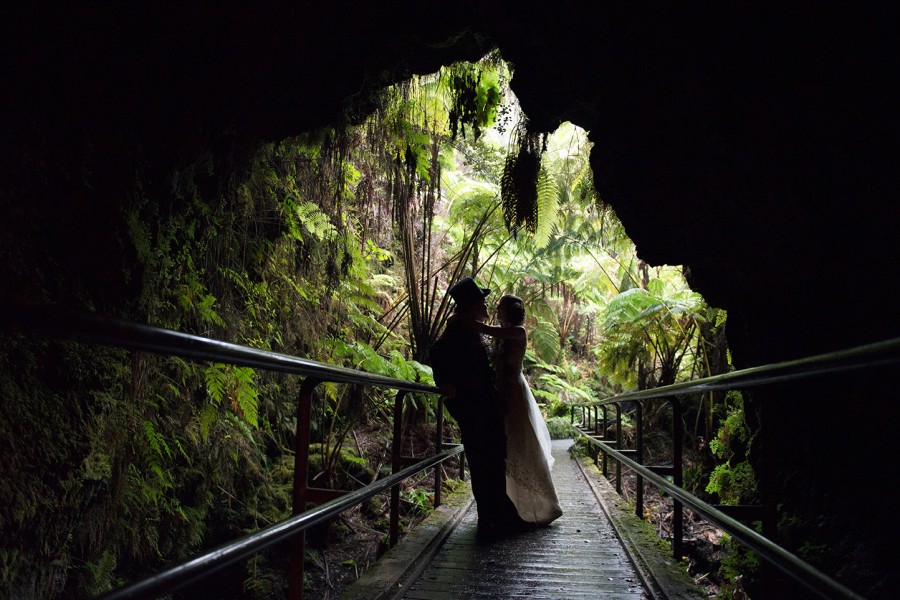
(338, 246)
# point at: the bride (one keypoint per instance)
(528, 458)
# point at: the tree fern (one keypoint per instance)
(572, 392)
(626, 306)
(544, 395)
(547, 207)
(545, 341)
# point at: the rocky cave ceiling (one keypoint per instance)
(753, 144)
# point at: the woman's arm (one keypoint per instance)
(516, 332)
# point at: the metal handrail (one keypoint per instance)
(56, 322)
(108, 331)
(789, 563)
(860, 357)
(866, 356)
(203, 565)
(118, 333)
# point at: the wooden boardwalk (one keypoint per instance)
(578, 556)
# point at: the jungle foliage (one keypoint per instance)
(335, 245)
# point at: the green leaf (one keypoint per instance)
(545, 341)
(207, 418)
(656, 287)
(215, 381)
(247, 396)
(548, 208)
(545, 395)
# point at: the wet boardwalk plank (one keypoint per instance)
(578, 556)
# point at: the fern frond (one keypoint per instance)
(547, 208)
(565, 386)
(545, 395)
(246, 395)
(316, 222)
(207, 418)
(545, 341)
(518, 185)
(215, 381)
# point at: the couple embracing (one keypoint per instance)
(506, 440)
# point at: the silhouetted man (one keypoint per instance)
(463, 371)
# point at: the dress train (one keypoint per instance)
(528, 457)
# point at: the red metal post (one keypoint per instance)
(301, 469)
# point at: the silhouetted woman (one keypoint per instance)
(528, 458)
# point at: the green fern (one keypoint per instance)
(208, 415)
(547, 208)
(215, 381)
(569, 390)
(246, 396)
(545, 341)
(157, 441)
(309, 217)
(235, 383)
(545, 395)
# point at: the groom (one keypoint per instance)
(463, 371)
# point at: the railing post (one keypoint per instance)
(639, 458)
(605, 459)
(396, 465)
(301, 480)
(677, 476)
(618, 447)
(438, 448)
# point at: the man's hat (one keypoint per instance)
(466, 292)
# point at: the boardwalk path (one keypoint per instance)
(578, 556)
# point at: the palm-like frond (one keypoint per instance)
(626, 307)
(547, 207)
(545, 341)
(570, 391)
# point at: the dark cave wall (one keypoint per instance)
(755, 145)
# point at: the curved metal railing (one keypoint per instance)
(862, 357)
(211, 561)
(83, 327)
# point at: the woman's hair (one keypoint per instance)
(515, 308)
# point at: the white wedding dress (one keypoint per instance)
(528, 458)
